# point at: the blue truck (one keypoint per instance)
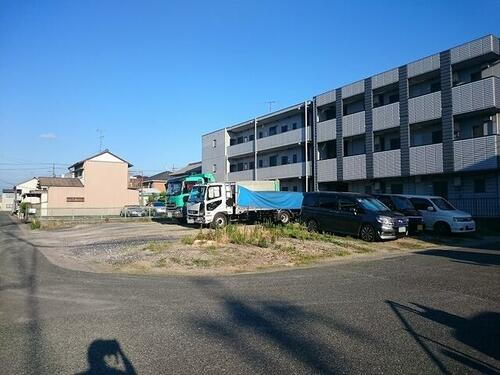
(217, 204)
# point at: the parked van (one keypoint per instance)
(401, 204)
(353, 214)
(440, 215)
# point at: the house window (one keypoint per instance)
(477, 131)
(261, 163)
(214, 143)
(284, 128)
(294, 126)
(294, 158)
(284, 160)
(479, 185)
(272, 130)
(273, 161)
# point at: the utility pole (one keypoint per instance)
(101, 137)
(270, 103)
(53, 170)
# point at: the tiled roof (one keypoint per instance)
(188, 169)
(59, 182)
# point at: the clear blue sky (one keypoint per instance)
(156, 75)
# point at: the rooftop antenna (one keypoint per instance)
(270, 103)
(101, 137)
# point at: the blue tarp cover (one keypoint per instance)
(270, 200)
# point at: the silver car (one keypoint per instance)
(132, 211)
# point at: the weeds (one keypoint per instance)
(157, 247)
(188, 240)
(35, 224)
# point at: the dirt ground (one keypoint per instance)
(157, 248)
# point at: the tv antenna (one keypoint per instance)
(101, 137)
(270, 104)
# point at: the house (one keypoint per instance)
(98, 186)
(157, 181)
(8, 199)
(22, 192)
(191, 168)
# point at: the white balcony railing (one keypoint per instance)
(476, 153)
(387, 163)
(427, 159)
(327, 170)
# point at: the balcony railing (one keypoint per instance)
(284, 171)
(353, 124)
(240, 149)
(387, 163)
(386, 116)
(424, 108)
(327, 130)
(241, 175)
(476, 153)
(327, 170)
(426, 159)
(478, 207)
(354, 167)
(476, 96)
(291, 137)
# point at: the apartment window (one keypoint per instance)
(294, 126)
(393, 98)
(284, 188)
(294, 158)
(436, 86)
(232, 168)
(214, 168)
(479, 185)
(476, 76)
(395, 143)
(240, 140)
(240, 167)
(437, 136)
(232, 142)
(272, 130)
(251, 137)
(214, 143)
(477, 131)
(379, 143)
(261, 163)
(284, 160)
(273, 161)
(284, 128)
(295, 188)
(252, 165)
(245, 139)
(327, 112)
(397, 188)
(245, 166)
(261, 134)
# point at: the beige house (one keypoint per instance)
(98, 186)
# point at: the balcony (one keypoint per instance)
(427, 159)
(354, 167)
(476, 153)
(424, 108)
(241, 175)
(476, 96)
(386, 117)
(292, 137)
(325, 98)
(284, 171)
(327, 130)
(327, 170)
(387, 163)
(241, 149)
(478, 47)
(353, 124)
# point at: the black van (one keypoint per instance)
(354, 214)
(401, 204)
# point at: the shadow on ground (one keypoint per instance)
(480, 332)
(478, 257)
(106, 357)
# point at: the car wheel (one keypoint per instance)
(284, 217)
(312, 225)
(367, 233)
(220, 221)
(442, 228)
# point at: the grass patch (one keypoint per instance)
(35, 224)
(157, 246)
(163, 262)
(188, 240)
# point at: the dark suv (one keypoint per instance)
(402, 205)
(354, 214)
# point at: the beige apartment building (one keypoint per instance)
(98, 185)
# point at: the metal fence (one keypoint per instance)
(95, 212)
(478, 207)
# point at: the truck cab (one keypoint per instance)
(208, 200)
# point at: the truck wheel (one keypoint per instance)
(220, 221)
(367, 233)
(442, 228)
(312, 225)
(284, 217)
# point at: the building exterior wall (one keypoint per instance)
(214, 153)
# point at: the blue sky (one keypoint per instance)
(156, 75)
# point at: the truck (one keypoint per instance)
(178, 190)
(217, 204)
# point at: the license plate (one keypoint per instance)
(402, 229)
(169, 214)
(420, 227)
(190, 221)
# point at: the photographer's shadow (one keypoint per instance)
(107, 358)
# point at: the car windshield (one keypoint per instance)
(197, 194)
(403, 203)
(158, 204)
(174, 187)
(188, 185)
(443, 204)
(372, 204)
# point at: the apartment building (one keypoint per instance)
(428, 127)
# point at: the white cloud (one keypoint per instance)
(48, 136)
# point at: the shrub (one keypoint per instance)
(35, 224)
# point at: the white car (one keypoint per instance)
(440, 215)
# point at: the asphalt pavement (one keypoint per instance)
(434, 311)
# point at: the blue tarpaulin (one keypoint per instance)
(268, 200)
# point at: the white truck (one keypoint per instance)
(217, 204)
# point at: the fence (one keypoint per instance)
(478, 207)
(96, 212)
